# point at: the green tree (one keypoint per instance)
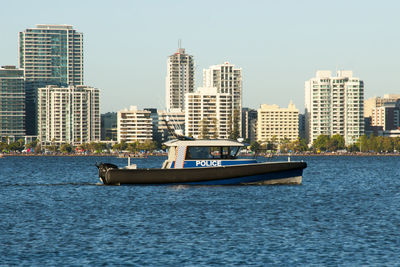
(149, 145)
(132, 147)
(321, 142)
(298, 145)
(396, 144)
(284, 145)
(336, 142)
(3, 147)
(120, 146)
(387, 144)
(38, 147)
(66, 148)
(97, 147)
(32, 144)
(16, 146)
(372, 144)
(363, 143)
(254, 146)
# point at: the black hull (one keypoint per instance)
(258, 173)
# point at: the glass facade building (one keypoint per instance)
(49, 55)
(12, 102)
(52, 53)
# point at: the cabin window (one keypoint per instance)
(198, 152)
(225, 152)
(229, 152)
(234, 151)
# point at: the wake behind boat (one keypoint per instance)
(205, 162)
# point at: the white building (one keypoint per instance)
(134, 125)
(334, 105)
(208, 113)
(275, 122)
(228, 80)
(179, 80)
(68, 114)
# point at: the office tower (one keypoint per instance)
(334, 105)
(179, 80)
(249, 124)
(68, 114)
(227, 79)
(12, 102)
(134, 125)
(208, 114)
(49, 55)
(277, 123)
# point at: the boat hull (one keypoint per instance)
(248, 174)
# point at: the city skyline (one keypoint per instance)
(278, 45)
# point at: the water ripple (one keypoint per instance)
(54, 213)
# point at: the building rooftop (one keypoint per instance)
(52, 26)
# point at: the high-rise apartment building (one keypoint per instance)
(228, 80)
(68, 114)
(179, 80)
(334, 105)
(277, 123)
(134, 125)
(52, 53)
(49, 55)
(208, 114)
(12, 102)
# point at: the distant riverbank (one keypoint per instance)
(125, 155)
(118, 155)
(361, 154)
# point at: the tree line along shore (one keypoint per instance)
(323, 145)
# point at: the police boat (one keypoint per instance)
(205, 162)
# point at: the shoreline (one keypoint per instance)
(363, 154)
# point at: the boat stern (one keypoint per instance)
(103, 168)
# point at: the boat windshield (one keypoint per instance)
(204, 152)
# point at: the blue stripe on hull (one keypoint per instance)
(249, 179)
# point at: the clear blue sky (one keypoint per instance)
(278, 44)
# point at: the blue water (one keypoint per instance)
(53, 212)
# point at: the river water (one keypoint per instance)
(54, 212)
